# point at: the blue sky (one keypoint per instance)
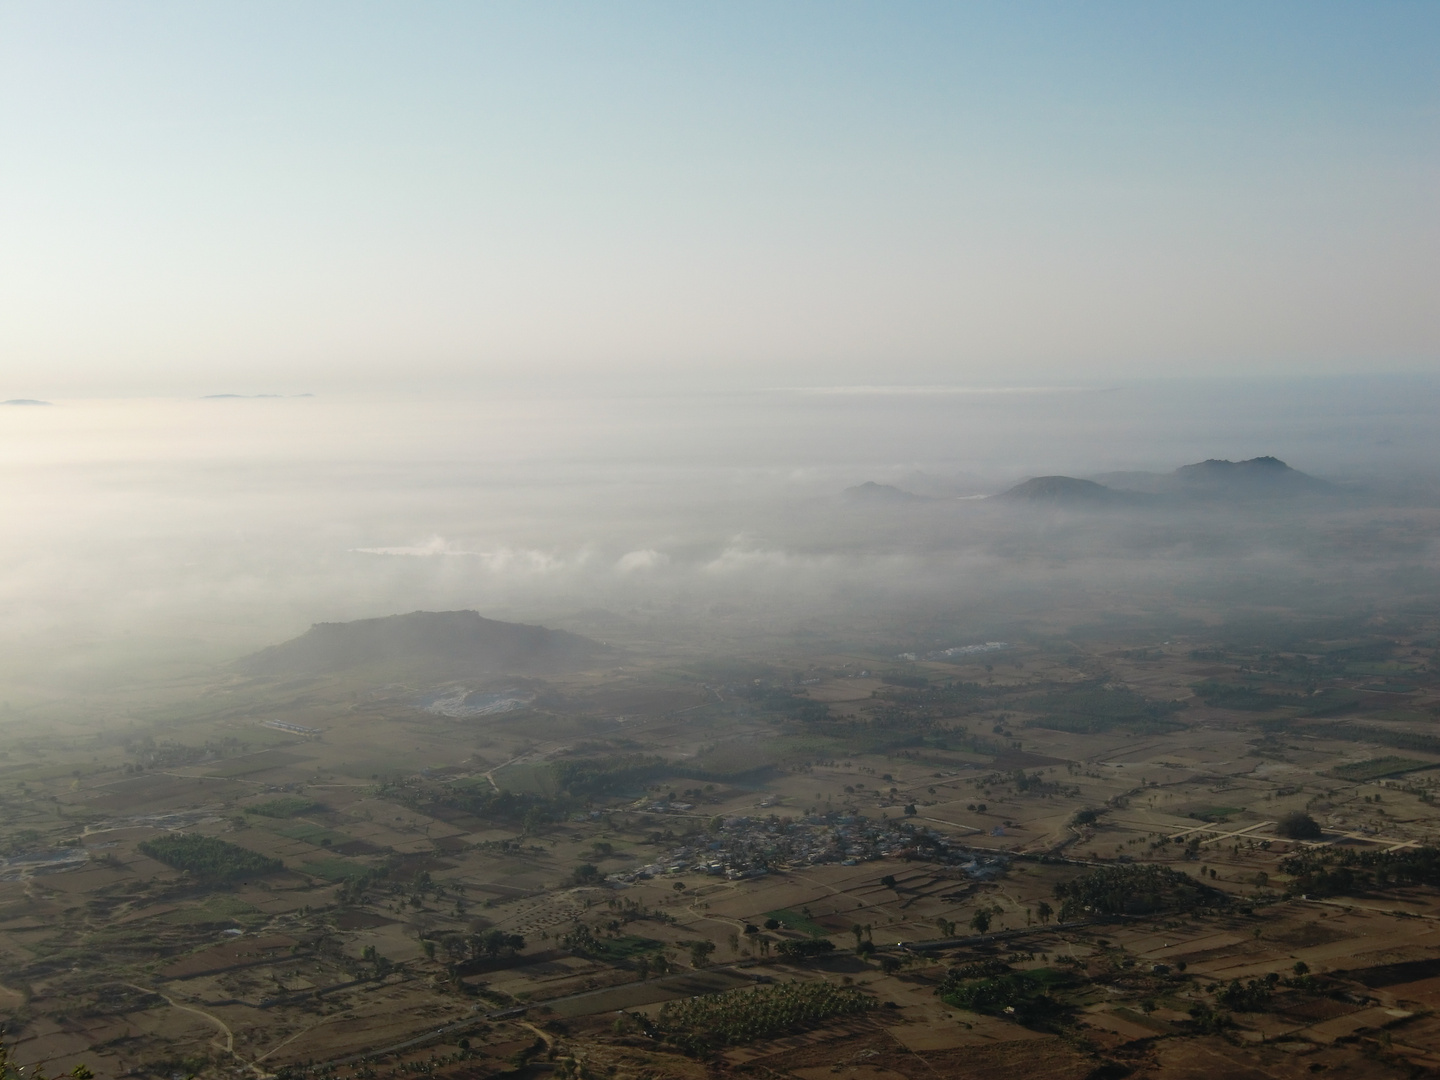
(342, 196)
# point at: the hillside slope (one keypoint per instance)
(448, 643)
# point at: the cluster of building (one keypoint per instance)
(745, 847)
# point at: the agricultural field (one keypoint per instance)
(1204, 855)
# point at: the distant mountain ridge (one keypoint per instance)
(1216, 478)
(870, 491)
(439, 644)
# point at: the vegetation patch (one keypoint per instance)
(1133, 890)
(606, 775)
(1400, 740)
(993, 989)
(701, 1025)
(1094, 709)
(1332, 871)
(804, 949)
(1242, 698)
(1378, 767)
(525, 779)
(209, 858)
(794, 920)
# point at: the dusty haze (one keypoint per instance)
(170, 532)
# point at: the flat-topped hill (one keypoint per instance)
(1066, 490)
(448, 643)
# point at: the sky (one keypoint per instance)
(360, 197)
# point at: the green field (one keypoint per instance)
(795, 920)
(338, 869)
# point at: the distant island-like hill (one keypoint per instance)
(438, 644)
(1216, 479)
(872, 492)
(1066, 489)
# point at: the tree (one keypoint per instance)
(888, 881)
(980, 921)
(1044, 911)
(772, 923)
(700, 952)
(859, 932)
(910, 810)
(1299, 825)
(586, 874)
(679, 886)
(804, 949)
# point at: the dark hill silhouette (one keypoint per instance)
(449, 644)
(872, 492)
(1068, 490)
(1261, 477)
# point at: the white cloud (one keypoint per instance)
(644, 559)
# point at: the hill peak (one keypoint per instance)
(1063, 489)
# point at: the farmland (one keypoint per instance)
(1076, 852)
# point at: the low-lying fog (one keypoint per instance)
(142, 536)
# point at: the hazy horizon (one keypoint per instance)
(190, 531)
